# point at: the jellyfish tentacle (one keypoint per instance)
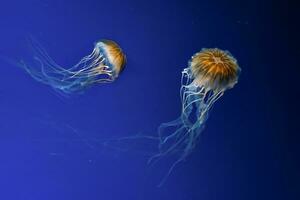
(203, 82)
(174, 123)
(213, 99)
(102, 65)
(192, 94)
(88, 71)
(37, 48)
(41, 53)
(167, 138)
(169, 149)
(180, 139)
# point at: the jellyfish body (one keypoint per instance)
(103, 65)
(209, 74)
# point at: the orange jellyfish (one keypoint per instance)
(209, 74)
(103, 65)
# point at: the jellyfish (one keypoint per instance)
(103, 65)
(209, 74)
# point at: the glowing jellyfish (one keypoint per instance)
(103, 65)
(209, 74)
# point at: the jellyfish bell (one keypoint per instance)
(209, 74)
(114, 58)
(103, 65)
(214, 69)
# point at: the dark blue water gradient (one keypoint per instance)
(245, 152)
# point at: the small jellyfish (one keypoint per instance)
(103, 65)
(209, 74)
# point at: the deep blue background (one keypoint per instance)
(247, 151)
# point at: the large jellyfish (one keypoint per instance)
(209, 74)
(103, 65)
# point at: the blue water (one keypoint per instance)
(242, 153)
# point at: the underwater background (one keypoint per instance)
(54, 147)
